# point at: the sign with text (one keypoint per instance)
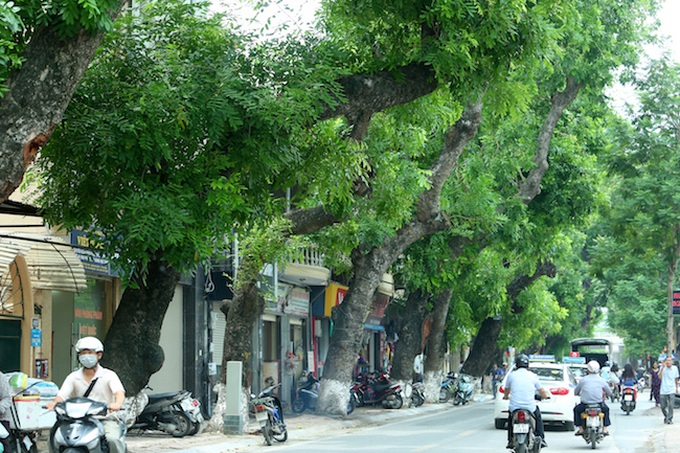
(676, 302)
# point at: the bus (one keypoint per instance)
(592, 349)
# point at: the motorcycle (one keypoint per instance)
(524, 437)
(457, 386)
(628, 399)
(463, 390)
(376, 388)
(448, 387)
(616, 392)
(307, 395)
(417, 393)
(176, 413)
(78, 427)
(269, 414)
(594, 422)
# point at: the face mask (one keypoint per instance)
(88, 360)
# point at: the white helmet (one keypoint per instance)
(90, 343)
(593, 366)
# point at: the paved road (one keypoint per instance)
(470, 429)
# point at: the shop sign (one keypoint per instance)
(36, 338)
(380, 303)
(335, 294)
(676, 302)
(297, 302)
(86, 251)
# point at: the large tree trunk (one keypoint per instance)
(38, 95)
(437, 342)
(132, 342)
(409, 344)
(369, 266)
(485, 347)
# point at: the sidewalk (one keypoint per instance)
(666, 438)
(306, 426)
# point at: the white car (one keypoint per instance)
(559, 383)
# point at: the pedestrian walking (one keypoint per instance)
(669, 387)
(655, 381)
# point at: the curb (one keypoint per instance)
(314, 426)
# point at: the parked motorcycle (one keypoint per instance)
(448, 387)
(78, 428)
(524, 437)
(417, 393)
(628, 399)
(458, 386)
(269, 414)
(463, 390)
(376, 388)
(594, 422)
(307, 395)
(176, 413)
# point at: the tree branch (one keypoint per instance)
(531, 186)
(38, 94)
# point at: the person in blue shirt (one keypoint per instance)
(592, 389)
(628, 377)
(520, 388)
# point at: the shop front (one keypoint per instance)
(36, 271)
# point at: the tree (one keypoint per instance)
(45, 51)
(165, 147)
(643, 226)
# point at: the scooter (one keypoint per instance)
(377, 389)
(269, 414)
(417, 393)
(78, 428)
(594, 422)
(448, 387)
(175, 413)
(616, 392)
(524, 437)
(463, 390)
(308, 394)
(628, 399)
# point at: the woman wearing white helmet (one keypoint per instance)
(103, 384)
(591, 388)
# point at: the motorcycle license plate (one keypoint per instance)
(521, 428)
(260, 416)
(628, 397)
(593, 421)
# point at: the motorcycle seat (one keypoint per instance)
(380, 387)
(164, 396)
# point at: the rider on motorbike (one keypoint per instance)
(629, 378)
(590, 388)
(520, 389)
(104, 386)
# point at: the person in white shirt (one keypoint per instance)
(107, 388)
(592, 389)
(669, 387)
(520, 388)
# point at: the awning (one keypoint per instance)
(52, 264)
